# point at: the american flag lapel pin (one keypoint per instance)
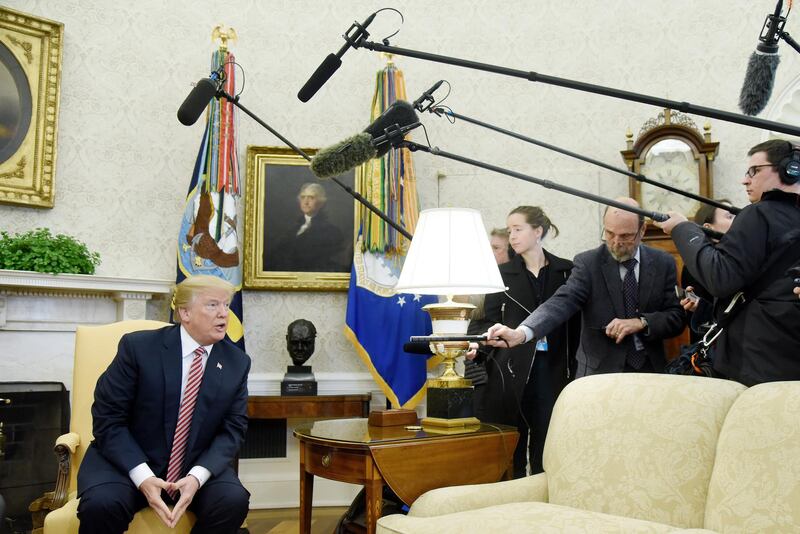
(219, 365)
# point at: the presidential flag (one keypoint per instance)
(379, 321)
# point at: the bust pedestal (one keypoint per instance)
(298, 380)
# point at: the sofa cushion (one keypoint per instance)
(637, 445)
(460, 498)
(521, 517)
(755, 485)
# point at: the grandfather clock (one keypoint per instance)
(670, 149)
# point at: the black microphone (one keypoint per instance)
(332, 62)
(427, 96)
(199, 97)
(413, 347)
(373, 142)
(760, 76)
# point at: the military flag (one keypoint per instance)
(208, 240)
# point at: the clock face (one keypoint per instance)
(670, 162)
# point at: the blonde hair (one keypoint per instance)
(187, 290)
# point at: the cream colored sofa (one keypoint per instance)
(643, 453)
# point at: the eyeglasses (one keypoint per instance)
(752, 171)
(607, 235)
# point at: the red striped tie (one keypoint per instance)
(185, 418)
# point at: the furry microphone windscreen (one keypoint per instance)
(341, 157)
(758, 82)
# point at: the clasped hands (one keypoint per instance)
(152, 487)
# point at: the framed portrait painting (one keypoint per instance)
(299, 229)
(30, 71)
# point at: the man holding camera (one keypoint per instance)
(749, 265)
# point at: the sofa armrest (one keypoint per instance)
(461, 498)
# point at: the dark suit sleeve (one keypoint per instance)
(735, 262)
(670, 319)
(113, 400)
(231, 431)
(566, 301)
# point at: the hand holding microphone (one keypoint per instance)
(502, 336)
(668, 224)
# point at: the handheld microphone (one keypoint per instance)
(199, 97)
(332, 62)
(426, 97)
(760, 76)
(373, 142)
(413, 347)
(435, 339)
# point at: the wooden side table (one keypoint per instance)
(410, 462)
(308, 407)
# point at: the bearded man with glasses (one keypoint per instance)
(625, 293)
(762, 341)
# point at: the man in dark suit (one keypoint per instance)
(169, 416)
(625, 291)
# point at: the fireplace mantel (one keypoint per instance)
(31, 301)
(39, 313)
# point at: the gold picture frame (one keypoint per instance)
(279, 254)
(30, 75)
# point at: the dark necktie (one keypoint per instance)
(630, 296)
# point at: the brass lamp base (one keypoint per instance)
(450, 403)
(449, 351)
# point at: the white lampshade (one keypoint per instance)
(450, 255)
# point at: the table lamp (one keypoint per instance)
(450, 255)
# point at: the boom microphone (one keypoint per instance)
(760, 76)
(426, 97)
(373, 142)
(332, 62)
(199, 97)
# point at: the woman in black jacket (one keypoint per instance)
(522, 388)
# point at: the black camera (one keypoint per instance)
(794, 272)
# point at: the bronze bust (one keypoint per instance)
(300, 336)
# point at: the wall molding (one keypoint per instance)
(79, 285)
